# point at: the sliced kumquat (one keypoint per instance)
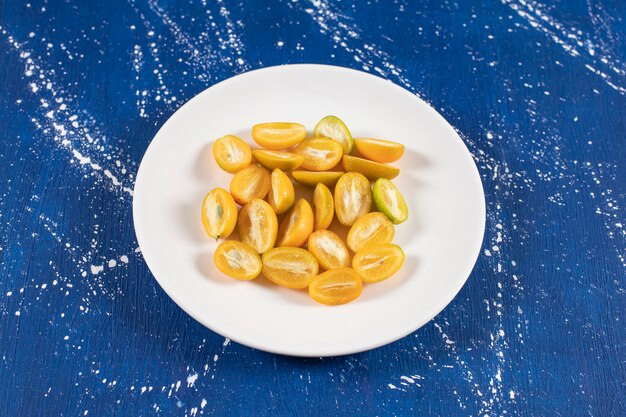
(379, 150)
(379, 262)
(281, 194)
(237, 260)
(372, 170)
(312, 178)
(219, 213)
(324, 206)
(250, 183)
(329, 249)
(336, 286)
(390, 201)
(334, 128)
(353, 197)
(289, 267)
(371, 229)
(297, 225)
(320, 154)
(278, 135)
(285, 161)
(231, 153)
(258, 225)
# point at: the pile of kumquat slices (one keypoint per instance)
(274, 229)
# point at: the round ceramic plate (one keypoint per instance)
(441, 238)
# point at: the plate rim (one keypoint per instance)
(475, 246)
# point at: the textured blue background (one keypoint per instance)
(536, 90)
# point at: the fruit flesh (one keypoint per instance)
(231, 153)
(353, 197)
(289, 267)
(237, 260)
(320, 154)
(334, 128)
(324, 206)
(297, 225)
(336, 286)
(328, 249)
(250, 183)
(371, 229)
(377, 263)
(390, 201)
(258, 225)
(281, 194)
(278, 135)
(219, 213)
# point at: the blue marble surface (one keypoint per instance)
(537, 90)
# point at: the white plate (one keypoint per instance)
(441, 239)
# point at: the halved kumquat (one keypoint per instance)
(281, 194)
(336, 286)
(329, 249)
(237, 260)
(219, 213)
(231, 153)
(296, 226)
(388, 199)
(251, 182)
(289, 267)
(285, 161)
(324, 206)
(379, 150)
(371, 229)
(320, 154)
(353, 197)
(334, 128)
(278, 135)
(372, 170)
(258, 225)
(312, 178)
(379, 262)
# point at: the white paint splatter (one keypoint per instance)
(572, 41)
(191, 380)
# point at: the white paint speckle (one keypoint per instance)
(96, 269)
(191, 380)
